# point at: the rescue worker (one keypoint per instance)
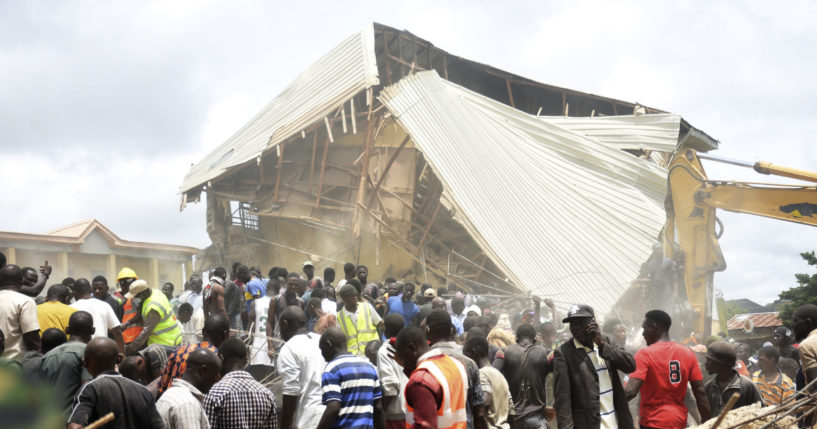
(131, 320)
(359, 321)
(160, 325)
(437, 385)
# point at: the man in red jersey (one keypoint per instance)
(662, 372)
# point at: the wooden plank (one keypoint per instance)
(278, 174)
(260, 171)
(400, 55)
(312, 165)
(354, 120)
(323, 169)
(364, 171)
(430, 223)
(564, 101)
(386, 52)
(407, 64)
(389, 164)
(328, 129)
(510, 93)
(411, 250)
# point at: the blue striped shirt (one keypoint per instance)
(353, 381)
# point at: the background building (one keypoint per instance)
(88, 248)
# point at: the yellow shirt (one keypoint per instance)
(54, 314)
(774, 392)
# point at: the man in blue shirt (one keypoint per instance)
(255, 289)
(403, 305)
(356, 405)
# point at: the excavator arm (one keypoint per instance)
(692, 230)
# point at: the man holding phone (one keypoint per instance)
(588, 391)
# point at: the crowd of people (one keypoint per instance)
(365, 354)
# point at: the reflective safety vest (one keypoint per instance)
(450, 373)
(131, 333)
(359, 334)
(167, 332)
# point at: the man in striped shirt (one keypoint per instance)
(351, 389)
(774, 386)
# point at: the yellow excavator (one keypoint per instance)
(690, 235)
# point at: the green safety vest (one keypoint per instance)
(167, 332)
(358, 335)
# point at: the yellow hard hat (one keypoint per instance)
(126, 273)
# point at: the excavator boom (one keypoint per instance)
(690, 235)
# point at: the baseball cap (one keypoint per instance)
(308, 263)
(430, 293)
(136, 288)
(578, 311)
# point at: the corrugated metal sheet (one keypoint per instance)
(318, 91)
(559, 213)
(643, 132)
(759, 320)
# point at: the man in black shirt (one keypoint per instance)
(130, 402)
(782, 340)
(525, 366)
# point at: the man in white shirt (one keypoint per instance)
(105, 320)
(327, 306)
(300, 364)
(180, 406)
(18, 315)
(259, 312)
(189, 329)
(392, 378)
(193, 295)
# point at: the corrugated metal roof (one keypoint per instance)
(318, 91)
(642, 132)
(560, 214)
(759, 320)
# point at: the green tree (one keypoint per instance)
(804, 293)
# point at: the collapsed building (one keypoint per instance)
(422, 165)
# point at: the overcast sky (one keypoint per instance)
(104, 105)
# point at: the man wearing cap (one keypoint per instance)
(160, 326)
(587, 388)
(782, 340)
(425, 309)
(309, 272)
(721, 358)
(131, 320)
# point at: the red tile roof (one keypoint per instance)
(759, 320)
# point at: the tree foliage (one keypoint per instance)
(804, 293)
